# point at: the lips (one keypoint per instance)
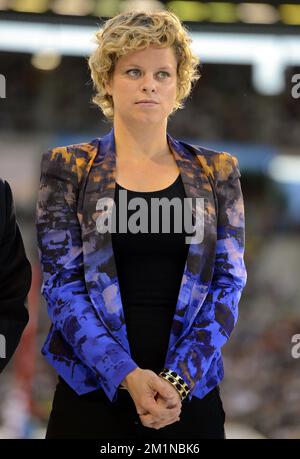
(146, 102)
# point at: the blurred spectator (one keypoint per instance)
(15, 277)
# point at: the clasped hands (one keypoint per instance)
(157, 402)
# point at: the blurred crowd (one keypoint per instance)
(223, 104)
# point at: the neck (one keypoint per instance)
(141, 142)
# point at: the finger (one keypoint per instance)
(157, 425)
(148, 418)
(154, 409)
(171, 407)
(164, 389)
(170, 412)
(167, 403)
(165, 415)
(170, 400)
(148, 421)
(157, 411)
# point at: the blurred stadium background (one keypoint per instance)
(247, 102)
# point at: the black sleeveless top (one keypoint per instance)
(150, 268)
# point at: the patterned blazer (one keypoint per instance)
(87, 342)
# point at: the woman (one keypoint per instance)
(146, 311)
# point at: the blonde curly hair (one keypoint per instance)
(132, 31)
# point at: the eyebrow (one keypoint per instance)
(136, 65)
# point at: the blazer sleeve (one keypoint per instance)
(15, 278)
(193, 353)
(60, 251)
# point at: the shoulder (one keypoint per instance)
(3, 185)
(6, 204)
(221, 165)
(77, 151)
(72, 158)
(5, 191)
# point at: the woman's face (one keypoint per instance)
(150, 73)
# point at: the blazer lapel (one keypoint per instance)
(99, 262)
(198, 268)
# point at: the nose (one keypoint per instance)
(148, 83)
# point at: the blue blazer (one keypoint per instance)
(87, 343)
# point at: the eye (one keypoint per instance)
(132, 70)
(137, 70)
(166, 73)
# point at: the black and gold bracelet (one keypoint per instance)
(176, 381)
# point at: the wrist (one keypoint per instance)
(177, 382)
(129, 378)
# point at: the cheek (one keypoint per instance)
(127, 92)
(172, 88)
(171, 94)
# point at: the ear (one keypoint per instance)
(108, 87)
